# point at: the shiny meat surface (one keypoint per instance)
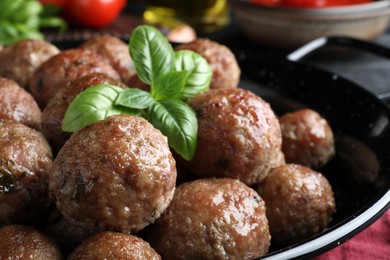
(19, 60)
(307, 138)
(117, 174)
(25, 160)
(299, 202)
(114, 245)
(216, 218)
(17, 104)
(238, 136)
(24, 242)
(63, 68)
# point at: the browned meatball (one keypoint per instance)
(114, 245)
(17, 104)
(117, 174)
(238, 136)
(25, 160)
(115, 52)
(307, 138)
(217, 218)
(54, 112)
(24, 242)
(63, 68)
(299, 203)
(226, 72)
(19, 60)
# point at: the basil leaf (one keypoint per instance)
(92, 105)
(151, 52)
(176, 120)
(168, 85)
(134, 98)
(8, 7)
(199, 72)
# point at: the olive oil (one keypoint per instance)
(203, 15)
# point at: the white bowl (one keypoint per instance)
(288, 28)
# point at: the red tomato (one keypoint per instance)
(94, 13)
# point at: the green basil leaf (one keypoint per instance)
(54, 22)
(8, 7)
(134, 98)
(26, 10)
(151, 52)
(176, 120)
(199, 72)
(168, 85)
(92, 105)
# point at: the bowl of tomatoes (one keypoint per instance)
(288, 24)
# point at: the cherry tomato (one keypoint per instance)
(94, 13)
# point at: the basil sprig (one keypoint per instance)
(23, 19)
(173, 76)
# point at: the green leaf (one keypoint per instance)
(176, 120)
(151, 52)
(8, 7)
(199, 72)
(134, 98)
(168, 85)
(26, 10)
(92, 105)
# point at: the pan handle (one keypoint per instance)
(317, 44)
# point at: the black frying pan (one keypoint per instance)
(360, 172)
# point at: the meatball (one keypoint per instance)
(25, 160)
(307, 138)
(54, 112)
(114, 245)
(299, 202)
(24, 242)
(17, 104)
(115, 52)
(238, 136)
(216, 218)
(118, 174)
(63, 68)
(19, 60)
(226, 72)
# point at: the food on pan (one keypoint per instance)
(115, 52)
(25, 161)
(114, 245)
(226, 72)
(299, 201)
(66, 66)
(307, 138)
(17, 104)
(239, 136)
(115, 177)
(212, 218)
(19, 60)
(117, 174)
(26, 242)
(53, 113)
